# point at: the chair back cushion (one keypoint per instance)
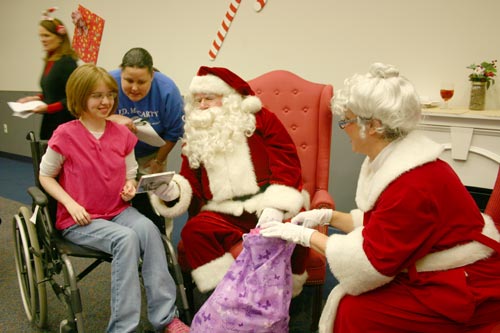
(304, 109)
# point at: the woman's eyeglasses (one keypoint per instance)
(344, 122)
(100, 96)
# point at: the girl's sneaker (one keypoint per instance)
(176, 326)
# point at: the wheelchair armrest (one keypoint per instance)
(39, 198)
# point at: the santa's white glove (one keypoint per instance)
(270, 214)
(313, 218)
(287, 231)
(168, 192)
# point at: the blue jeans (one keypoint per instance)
(129, 237)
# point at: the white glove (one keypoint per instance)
(168, 192)
(270, 214)
(313, 218)
(287, 231)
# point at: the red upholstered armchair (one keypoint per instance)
(304, 108)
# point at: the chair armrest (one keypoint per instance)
(323, 229)
(38, 196)
(322, 199)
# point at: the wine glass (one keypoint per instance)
(447, 90)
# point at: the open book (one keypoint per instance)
(153, 181)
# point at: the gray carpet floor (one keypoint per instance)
(94, 288)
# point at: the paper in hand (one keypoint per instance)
(24, 110)
(146, 133)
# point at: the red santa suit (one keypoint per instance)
(225, 197)
(421, 258)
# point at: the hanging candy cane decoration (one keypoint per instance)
(226, 23)
(259, 4)
(224, 28)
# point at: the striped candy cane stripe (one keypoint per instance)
(224, 28)
(259, 4)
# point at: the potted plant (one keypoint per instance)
(482, 77)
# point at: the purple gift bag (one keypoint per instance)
(254, 295)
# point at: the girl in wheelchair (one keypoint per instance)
(89, 168)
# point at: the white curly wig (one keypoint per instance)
(381, 94)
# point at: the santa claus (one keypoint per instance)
(239, 168)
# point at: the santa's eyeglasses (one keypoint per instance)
(205, 98)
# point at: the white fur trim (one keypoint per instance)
(410, 152)
(282, 197)
(330, 309)
(232, 174)
(290, 201)
(208, 276)
(181, 206)
(460, 255)
(357, 217)
(347, 259)
(298, 281)
(235, 208)
(251, 104)
(210, 84)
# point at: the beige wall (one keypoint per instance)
(322, 40)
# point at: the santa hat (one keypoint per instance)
(221, 81)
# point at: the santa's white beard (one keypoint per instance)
(214, 131)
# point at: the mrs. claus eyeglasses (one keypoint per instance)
(344, 122)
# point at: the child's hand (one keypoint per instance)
(78, 213)
(128, 191)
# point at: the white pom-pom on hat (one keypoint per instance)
(251, 104)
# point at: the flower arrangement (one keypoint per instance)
(485, 72)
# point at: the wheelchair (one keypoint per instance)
(43, 259)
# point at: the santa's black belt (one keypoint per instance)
(242, 198)
(248, 196)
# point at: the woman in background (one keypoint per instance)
(60, 62)
(147, 94)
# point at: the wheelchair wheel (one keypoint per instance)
(29, 268)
